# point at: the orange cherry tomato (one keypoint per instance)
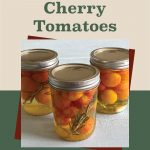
(74, 95)
(88, 126)
(84, 100)
(122, 90)
(28, 85)
(70, 112)
(90, 93)
(122, 86)
(101, 87)
(60, 103)
(60, 118)
(44, 96)
(40, 76)
(111, 79)
(124, 75)
(123, 95)
(105, 71)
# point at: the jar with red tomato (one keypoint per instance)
(74, 99)
(35, 90)
(113, 91)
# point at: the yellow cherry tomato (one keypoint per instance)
(109, 96)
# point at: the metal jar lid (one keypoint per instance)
(38, 59)
(74, 77)
(110, 58)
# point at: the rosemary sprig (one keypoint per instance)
(30, 99)
(32, 96)
(80, 119)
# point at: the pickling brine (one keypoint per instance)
(74, 113)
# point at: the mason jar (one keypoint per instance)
(113, 91)
(74, 99)
(35, 89)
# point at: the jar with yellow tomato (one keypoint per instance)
(35, 89)
(113, 91)
(74, 99)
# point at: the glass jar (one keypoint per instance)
(74, 98)
(35, 89)
(113, 91)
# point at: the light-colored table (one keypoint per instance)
(110, 131)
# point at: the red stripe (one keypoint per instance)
(30, 37)
(131, 61)
(18, 123)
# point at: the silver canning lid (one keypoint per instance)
(74, 77)
(111, 58)
(38, 59)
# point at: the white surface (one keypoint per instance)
(110, 131)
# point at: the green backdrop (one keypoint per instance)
(139, 121)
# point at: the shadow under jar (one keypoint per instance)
(35, 89)
(113, 91)
(74, 99)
